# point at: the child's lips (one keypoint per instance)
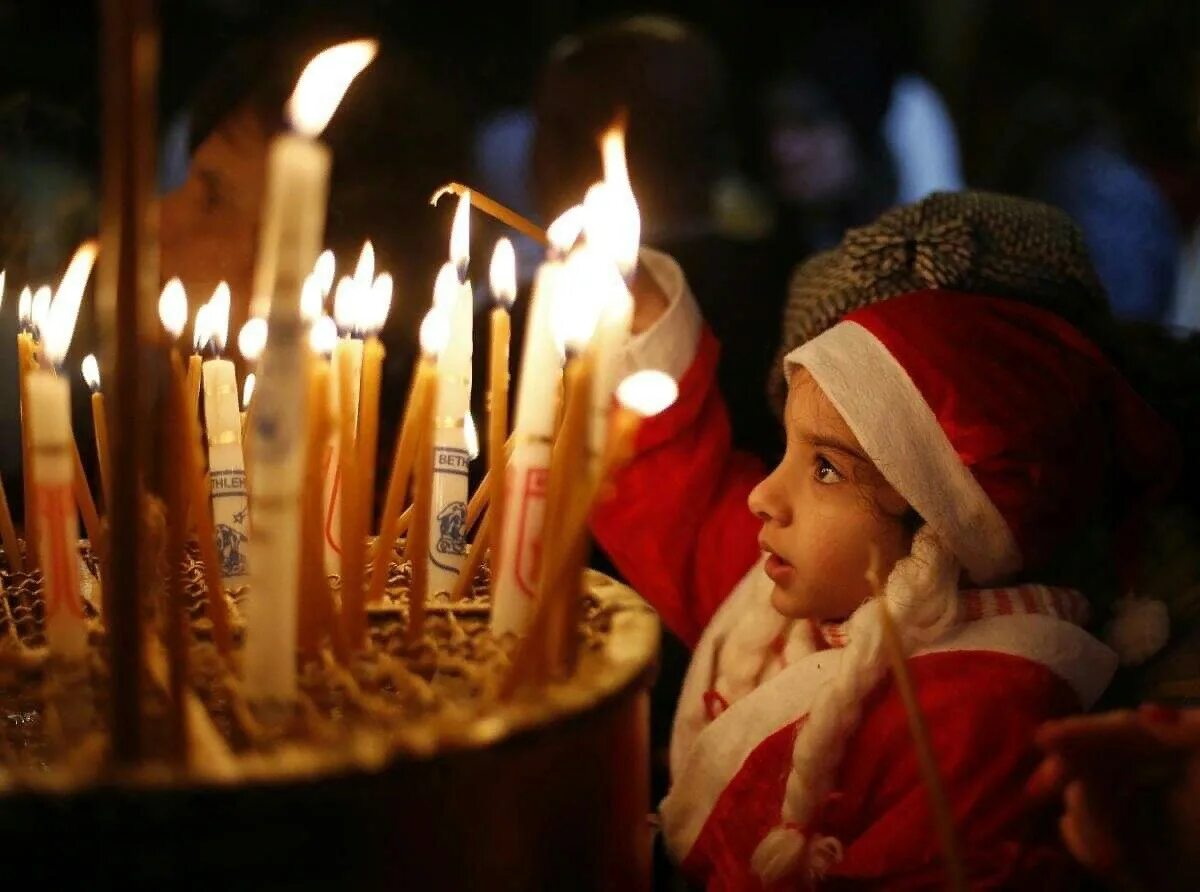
(779, 570)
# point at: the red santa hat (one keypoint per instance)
(1004, 428)
(1000, 423)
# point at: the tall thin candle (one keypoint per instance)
(519, 537)
(91, 376)
(49, 417)
(435, 331)
(503, 280)
(292, 225)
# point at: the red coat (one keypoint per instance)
(680, 531)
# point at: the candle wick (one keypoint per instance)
(462, 268)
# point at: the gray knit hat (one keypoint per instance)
(977, 242)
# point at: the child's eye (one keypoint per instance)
(825, 472)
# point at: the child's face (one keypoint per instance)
(822, 509)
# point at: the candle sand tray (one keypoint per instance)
(404, 767)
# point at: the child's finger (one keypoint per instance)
(1089, 840)
(1047, 780)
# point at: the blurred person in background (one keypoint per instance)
(1062, 146)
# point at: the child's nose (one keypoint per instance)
(767, 501)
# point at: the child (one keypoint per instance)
(966, 437)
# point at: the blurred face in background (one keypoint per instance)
(210, 224)
(813, 153)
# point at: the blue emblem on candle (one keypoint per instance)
(229, 545)
(452, 532)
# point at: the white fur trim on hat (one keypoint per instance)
(1139, 629)
(902, 436)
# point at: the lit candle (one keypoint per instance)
(639, 396)
(520, 540)
(350, 310)
(49, 418)
(293, 221)
(575, 314)
(503, 281)
(435, 332)
(347, 361)
(323, 272)
(8, 530)
(223, 429)
(609, 217)
(315, 613)
(247, 397)
(41, 309)
(375, 316)
(452, 290)
(200, 327)
(252, 340)
(184, 447)
(91, 376)
(26, 362)
(448, 449)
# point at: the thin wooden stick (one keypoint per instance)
(493, 209)
(479, 547)
(87, 504)
(943, 818)
(8, 534)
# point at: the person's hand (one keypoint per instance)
(1130, 784)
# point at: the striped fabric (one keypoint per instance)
(974, 604)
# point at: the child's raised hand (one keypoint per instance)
(1130, 784)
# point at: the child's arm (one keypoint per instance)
(677, 525)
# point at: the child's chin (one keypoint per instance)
(790, 605)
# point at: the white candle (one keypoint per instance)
(49, 419)
(52, 447)
(293, 224)
(451, 458)
(223, 432)
(533, 431)
(610, 216)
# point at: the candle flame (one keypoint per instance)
(41, 308)
(3, 282)
(200, 328)
(379, 301)
(445, 287)
(460, 235)
(471, 436)
(312, 299)
(364, 270)
(59, 326)
(172, 308)
(25, 307)
(626, 220)
(564, 232)
(323, 271)
(580, 301)
(324, 82)
(218, 317)
(252, 339)
(247, 391)
(648, 392)
(345, 304)
(435, 331)
(503, 273)
(612, 225)
(91, 372)
(322, 337)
